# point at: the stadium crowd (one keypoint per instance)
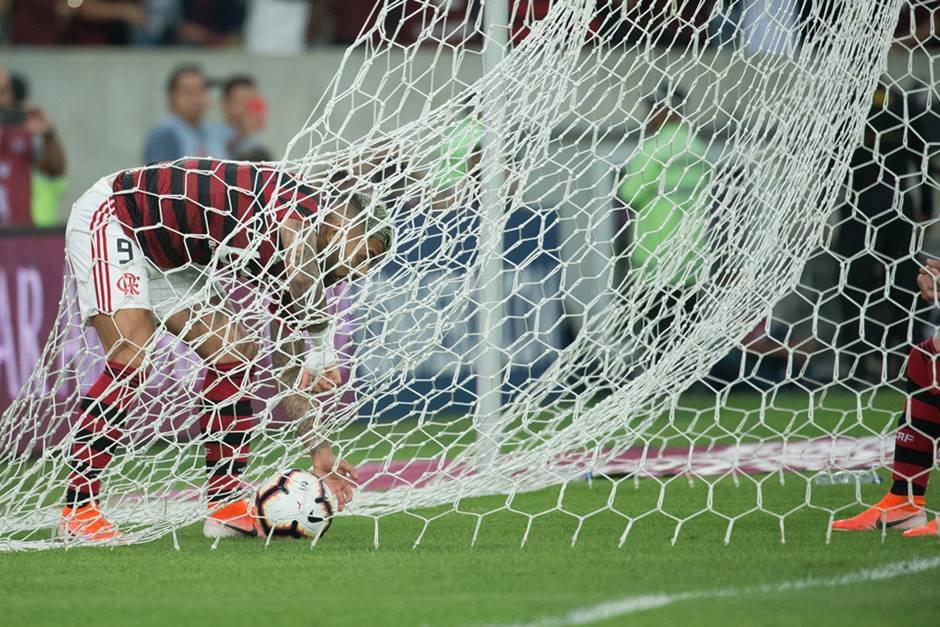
(290, 26)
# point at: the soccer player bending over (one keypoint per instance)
(915, 443)
(142, 245)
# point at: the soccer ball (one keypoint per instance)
(295, 504)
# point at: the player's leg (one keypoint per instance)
(228, 418)
(111, 286)
(915, 442)
(124, 335)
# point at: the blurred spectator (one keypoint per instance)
(277, 26)
(877, 233)
(211, 22)
(778, 25)
(45, 190)
(525, 13)
(757, 25)
(245, 111)
(159, 28)
(656, 22)
(352, 17)
(185, 132)
(456, 22)
(816, 20)
(724, 27)
(663, 187)
(458, 159)
(34, 22)
(27, 142)
(770, 25)
(918, 23)
(102, 22)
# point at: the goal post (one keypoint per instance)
(490, 363)
(642, 191)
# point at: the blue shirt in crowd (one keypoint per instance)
(173, 138)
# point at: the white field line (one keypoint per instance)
(630, 605)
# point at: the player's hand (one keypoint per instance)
(329, 379)
(339, 476)
(927, 278)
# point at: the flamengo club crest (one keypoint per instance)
(129, 283)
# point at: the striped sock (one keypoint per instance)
(102, 412)
(915, 443)
(226, 425)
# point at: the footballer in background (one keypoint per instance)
(141, 245)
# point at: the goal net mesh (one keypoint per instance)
(597, 209)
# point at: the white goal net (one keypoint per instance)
(610, 222)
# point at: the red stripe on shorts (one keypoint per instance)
(104, 239)
(95, 271)
(101, 272)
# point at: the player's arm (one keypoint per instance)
(303, 370)
(304, 307)
(303, 409)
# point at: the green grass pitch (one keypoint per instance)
(445, 581)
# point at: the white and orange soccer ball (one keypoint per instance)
(295, 504)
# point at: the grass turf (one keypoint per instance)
(445, 581)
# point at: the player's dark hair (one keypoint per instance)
(178, 72)
(236, 81)
(378, 225)
(359, 202)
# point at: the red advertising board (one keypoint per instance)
(31, 271)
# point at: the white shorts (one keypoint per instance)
(112, 272)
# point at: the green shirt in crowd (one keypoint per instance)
(45, 195)
(460, 140)
(665, 185)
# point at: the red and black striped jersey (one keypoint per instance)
(179, 212)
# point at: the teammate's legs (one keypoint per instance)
(915, 444)
(918, 434)
(919, 425)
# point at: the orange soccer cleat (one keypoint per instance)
(230, 521)
(87, 522)
(891, 512)
(930, 529)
